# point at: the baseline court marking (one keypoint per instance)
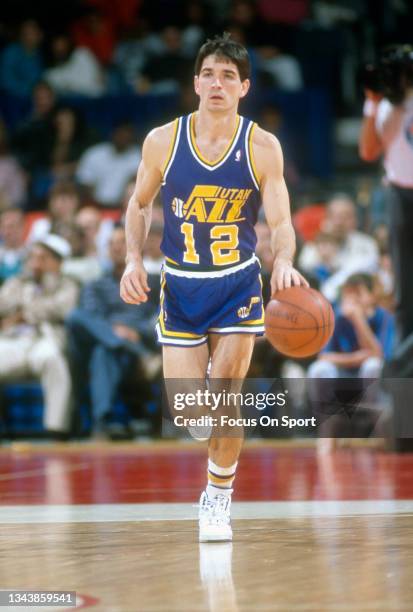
(118, 513)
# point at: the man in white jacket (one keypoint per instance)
(33, 306)
(357, 251)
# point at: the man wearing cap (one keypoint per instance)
(33, 306)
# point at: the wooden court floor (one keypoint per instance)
(117, 524)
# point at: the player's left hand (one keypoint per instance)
(284, 275)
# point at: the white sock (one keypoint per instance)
(220, 479)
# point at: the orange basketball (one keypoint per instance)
(299, 321)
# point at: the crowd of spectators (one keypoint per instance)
(63, 322)
(59, 269)
(150, 48)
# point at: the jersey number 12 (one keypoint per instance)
(223, 246)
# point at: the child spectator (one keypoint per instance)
(12, 248)
(363, 338)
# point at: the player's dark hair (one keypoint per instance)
(226, 48)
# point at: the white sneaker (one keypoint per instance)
(214, 518)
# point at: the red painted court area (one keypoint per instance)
(136, 475)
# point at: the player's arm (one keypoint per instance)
(370, 144)
(269, 163)
(134, 286)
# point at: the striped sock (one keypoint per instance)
(220, 479)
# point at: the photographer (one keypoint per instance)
(388, 129)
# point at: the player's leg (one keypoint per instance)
(185, 361)
(230, 360)
(185, 370)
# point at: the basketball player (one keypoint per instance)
(214, 169)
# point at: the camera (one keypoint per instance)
(392, 75)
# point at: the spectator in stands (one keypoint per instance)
(66, 142)
(21, 63)
(12, 179)
(281, 69)
(83, 265)
(363, 335)
(64, 201)
(243, 14)
(105, 168)
(106, 336)
(97, 232)
(357, 251)
(196, 21)
(33, 306)
(74, 70)
(166, 72)
(12, 247)
(327, 246)
(131, 53)
(95, 32)
(271, 119)
(30, 136)
(363, 338)
(137, 45)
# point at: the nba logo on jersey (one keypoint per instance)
(238, 155)
(178, 207)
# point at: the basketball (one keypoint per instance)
(299, 321)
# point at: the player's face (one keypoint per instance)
(218, 85)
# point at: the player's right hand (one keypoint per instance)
(134, 284)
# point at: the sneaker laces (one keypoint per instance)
(217, 508)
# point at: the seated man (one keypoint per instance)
(33, 306)
(106, 336)
(355, 251)
(362, 339)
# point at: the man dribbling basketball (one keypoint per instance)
(214, 168)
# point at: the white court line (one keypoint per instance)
(42, 471)
(102, 513)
